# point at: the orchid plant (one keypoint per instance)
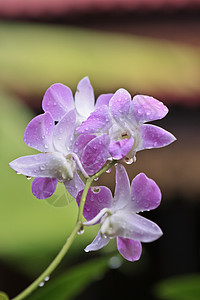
(79, 140)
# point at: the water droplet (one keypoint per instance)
(96, 190)
(81, 231)
(18, 173)
(108, 171)
(41, 284)
(128, 161)
(54, 104)
(28, 177)
(115, 262)
(96, 179)
(47, 278)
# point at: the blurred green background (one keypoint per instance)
(153, 52)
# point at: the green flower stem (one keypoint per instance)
(87, 186)
(68, 242)
(52, 266)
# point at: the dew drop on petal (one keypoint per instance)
(108, 171)
(96, 190)
(18, 173)
(28, 177)
(128, 161)
(96, 179)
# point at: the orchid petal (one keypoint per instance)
(64, 131)
(103, 100)
(118, 149)
(84, 97)
(43, 188)
(97, 198)
(38, 134)
(129, 249)
(154, 137)
(99, 121)
(145, 108)
(58, 100)
(53, 165)
(98, 243)
(75, 185)
(145, 194)
(120, 104)
(130, 225)
(122, 188)
(81, 142)
(95, 154)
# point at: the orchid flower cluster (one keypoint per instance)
(79, 140)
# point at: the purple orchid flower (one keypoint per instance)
(119, 215)
(57, 162)
(58, 100)
(123, 120)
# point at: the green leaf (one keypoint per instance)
(185, 287)
(73, 282)
(61, 197)
(3, 296)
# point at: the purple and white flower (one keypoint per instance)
(123, 120)
(119, 214)
(57, 162)
(58, 100)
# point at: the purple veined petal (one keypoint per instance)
(64, 131)
(98, 243)
(118, 149)
(97, 198)
(103, 100)
(132, 226)
(53, 165)
(38, 133)
(129, 249)
(81, 142)
(99, 121)
(120, 104)
(145, 194)
(145, 108)
(122, 188)
(43, 188)
(58, 100)
(154, 137)
(84, 97)
(75, 185)
(95, 154)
